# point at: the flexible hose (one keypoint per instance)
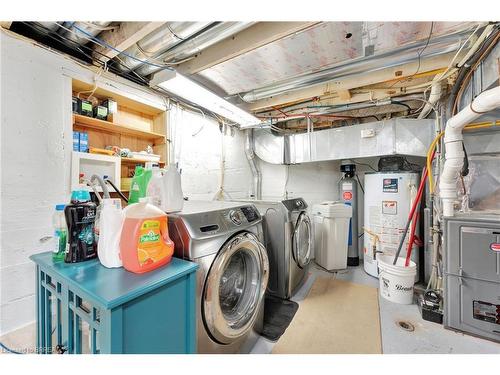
(412, 212)
(117, 190)
(409, 249)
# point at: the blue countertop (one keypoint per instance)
(112, 287)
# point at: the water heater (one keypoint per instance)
(388, 200)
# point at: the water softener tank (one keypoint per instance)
(348, 191)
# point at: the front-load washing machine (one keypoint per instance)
(288, 239)
(226, 241)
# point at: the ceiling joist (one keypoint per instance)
(404, 74)
(247, 40)
(124, 37)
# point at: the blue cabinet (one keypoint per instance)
(87, 308)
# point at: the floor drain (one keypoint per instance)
(406, 326)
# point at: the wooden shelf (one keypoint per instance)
(94, 123)
(138, 161)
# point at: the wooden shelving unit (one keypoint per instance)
(135, 126)
(107, 126)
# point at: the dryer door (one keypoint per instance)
(234, 288)
(302, 241)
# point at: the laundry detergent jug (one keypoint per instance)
(172, 197)
(144, 242)
(140, 181)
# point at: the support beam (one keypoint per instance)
(125, 36)
(350, 83)
(247, 40)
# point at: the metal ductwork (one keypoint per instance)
(195, 44)
(391, 137)
(159, 41)
(252, 160)
(437, 46)
(79, 37)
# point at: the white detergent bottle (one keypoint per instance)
(155, 187)
(110, 229)
(172, 197)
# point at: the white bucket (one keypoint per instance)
(396, 281)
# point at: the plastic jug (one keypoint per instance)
(80, 219)
(155, 189)
(110, 229)
(60, 233)
(144, 243)
(139, 183)
(172, 197)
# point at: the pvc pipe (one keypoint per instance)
(434, 96)
(250, 154)
(453, 142)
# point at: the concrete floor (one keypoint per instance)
(427, 337)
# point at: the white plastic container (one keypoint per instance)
(331, 223)
(396, 281)
(155, 189)
(110, 229)
(172, 197)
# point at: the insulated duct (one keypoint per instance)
(391, 137)
(252, 160)
(196, 44)
(437, 46)
(159, 41)
(453, 142)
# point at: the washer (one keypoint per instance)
(225, 240)
(288, 240)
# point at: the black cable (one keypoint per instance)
(9, 349)
(368, 165)
(401, 103)
(359, 182)
(117, 190)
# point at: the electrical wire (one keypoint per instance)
(360, 184)
(359, 163)
(9, 349)
(419, 54)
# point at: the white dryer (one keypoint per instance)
(225, 240)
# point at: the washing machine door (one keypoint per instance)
(234, 288)
(302, 240)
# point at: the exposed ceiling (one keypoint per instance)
(264, 65)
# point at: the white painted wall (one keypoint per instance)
(200, 148)
(35, 152)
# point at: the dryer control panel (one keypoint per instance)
(296, 204)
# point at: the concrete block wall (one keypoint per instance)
(35, 158)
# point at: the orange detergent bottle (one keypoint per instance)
(144, 243)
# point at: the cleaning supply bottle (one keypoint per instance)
(155, 188)
(140, 182)
(144, 243)
(60, 233)
(110, 229)
(172, 199)
(80, 219)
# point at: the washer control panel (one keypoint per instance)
(236, 216)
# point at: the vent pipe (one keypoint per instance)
(453, 143)
(252, 160)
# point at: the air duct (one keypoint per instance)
(453, 142)
(81, 37)
(403, 55)
(195, 44)
(391, 137)
(159, 41)
(252, 160)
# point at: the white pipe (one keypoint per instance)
(434, 96)
(453, 142)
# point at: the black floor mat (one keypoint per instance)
(278, 313)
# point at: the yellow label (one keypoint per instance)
(151, 247)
